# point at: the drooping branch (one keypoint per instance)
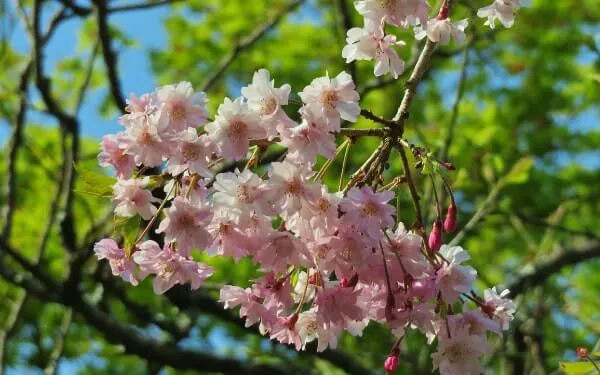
(246, 43)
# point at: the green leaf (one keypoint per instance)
(577, 368)
(129, 228)
(519, 173)
(95, 183)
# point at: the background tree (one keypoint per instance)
(513, 109)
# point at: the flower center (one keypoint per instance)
(243, 194)
(323, 205)
(177, 112)
(237, 128)
(165, 270)
(268, 105)
(186, 222)
(191, 151)
(294, 186)
(329, 98)
(145, 138)
(370, 209)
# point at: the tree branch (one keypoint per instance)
(542, 271)
(246, 43)
(110, 57)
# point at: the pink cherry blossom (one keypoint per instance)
(265, 99)
(407, 246)
(169, 267)
(401, 13)
(233, 127)
(459, 354)
(251, 306)
(192, 153)
(337, 304)
(137, 109)
(368, 210)
(186, 223)
(132, 199)
(120, 264)
(114, 155)
(280, 250)
(499, 306)
(228, 240)
(334, 97)
(147, 140)
(310, 327)
(452, 278)
(183, 107)
(370, 43)
(502, 10)
(243, 192)
(290, 187)
(440, 31)
(309, 139)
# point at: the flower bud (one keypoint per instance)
(349, 283)
(582, 352)
(391, 362)
(450, 221)
(435, 237)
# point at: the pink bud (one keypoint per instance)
(289, 321)
(345, 283)
(435, 237)
(450, 221)
(391, 362)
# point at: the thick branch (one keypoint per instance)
(247, 43)
(110, 57)
(541, 272)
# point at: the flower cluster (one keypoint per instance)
(371, 42)
(331, 261)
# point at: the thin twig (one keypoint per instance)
(247, 43)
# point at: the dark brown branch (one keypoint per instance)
(110, 57)
(142, 5)
(346, 21)
(542, 271)
(247, 43)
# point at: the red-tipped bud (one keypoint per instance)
(435, 237)
(582, 352)
(290, 321)
(449, 166)
(349, 283)
(450, 221)
(391, 362)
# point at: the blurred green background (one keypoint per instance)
(516, 110)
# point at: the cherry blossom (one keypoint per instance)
(452, 278)
(441, 30)
(499, 307)
(502, 10)
(193, 153)
(401, 13)
(183, 107)
(132, 199)
(370, 43)
(265, 99)
(458, 354)
(147, 139)
(120, 264)
(368, 210)
(186, 223)
(114, 155)
(233, 127)
(335, 97)
(309, 139)
(170, 267)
